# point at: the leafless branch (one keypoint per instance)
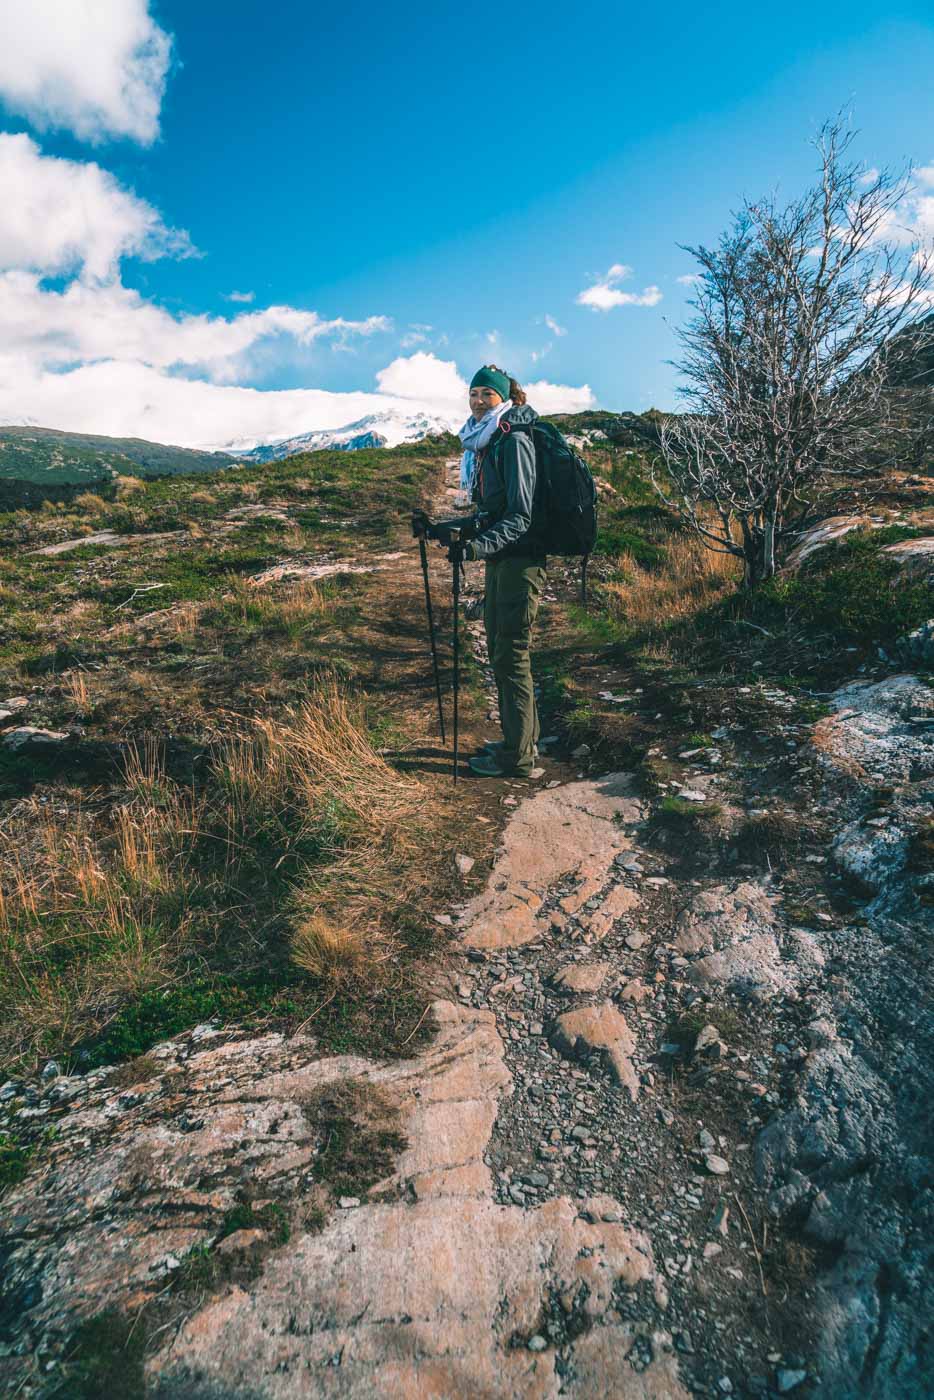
(809, 323)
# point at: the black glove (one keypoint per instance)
(464, 526)
(458, 552)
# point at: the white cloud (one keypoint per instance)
(553, 326)
(559, 398)
(89, 321)
(869, 177)
(925, 174)
(605, 294)
(536, 355)
(689, 279)
(423, 377)
(417, 334)
(94, 67)
(63, 216)
(246, 297)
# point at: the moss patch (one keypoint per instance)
(358, 1127)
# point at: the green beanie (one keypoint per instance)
(487, 378)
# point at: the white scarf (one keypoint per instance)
(475, 436)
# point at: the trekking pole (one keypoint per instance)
(417, 529)
(456, 555)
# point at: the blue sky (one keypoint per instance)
(442, 179)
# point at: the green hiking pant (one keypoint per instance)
(513, 590)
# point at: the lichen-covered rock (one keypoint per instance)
(426, 1288)
(731, 935)
(828, 531)
(28, 738)
(871, 855)
(878, 733)
(918, 646)
(914, 557)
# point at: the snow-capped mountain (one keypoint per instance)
(386, 429)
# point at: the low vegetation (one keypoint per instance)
(220, 837)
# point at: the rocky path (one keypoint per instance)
(672, 1135)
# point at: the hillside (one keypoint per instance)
(47, 456)
(288, 1022)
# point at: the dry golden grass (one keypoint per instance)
(287, 607)
(128, 486)
(89, 500)
(691, 578)
(184, 618)
(326, 744)
(334, 954)
(75, 686)
(374, 816)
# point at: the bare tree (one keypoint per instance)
(803, 316)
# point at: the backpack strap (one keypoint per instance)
(506, 430)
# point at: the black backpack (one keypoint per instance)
(566, 495)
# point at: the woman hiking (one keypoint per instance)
(498, 471)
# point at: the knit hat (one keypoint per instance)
(489, 378)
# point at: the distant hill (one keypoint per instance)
(48, 457)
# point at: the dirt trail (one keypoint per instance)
(668, 1139)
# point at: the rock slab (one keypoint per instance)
(586, 1029)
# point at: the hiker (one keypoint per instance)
(498, 470)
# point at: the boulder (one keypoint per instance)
(917, 647)
(914, 557)
(26, 738)
(581, 977)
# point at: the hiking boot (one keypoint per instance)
(496, 746)
(487, 765)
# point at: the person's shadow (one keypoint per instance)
(427, 760)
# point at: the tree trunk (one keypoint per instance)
(768, 544)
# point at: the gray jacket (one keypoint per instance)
(506, 492)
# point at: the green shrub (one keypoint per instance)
(853, 590)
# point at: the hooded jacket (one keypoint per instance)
(507, 492)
